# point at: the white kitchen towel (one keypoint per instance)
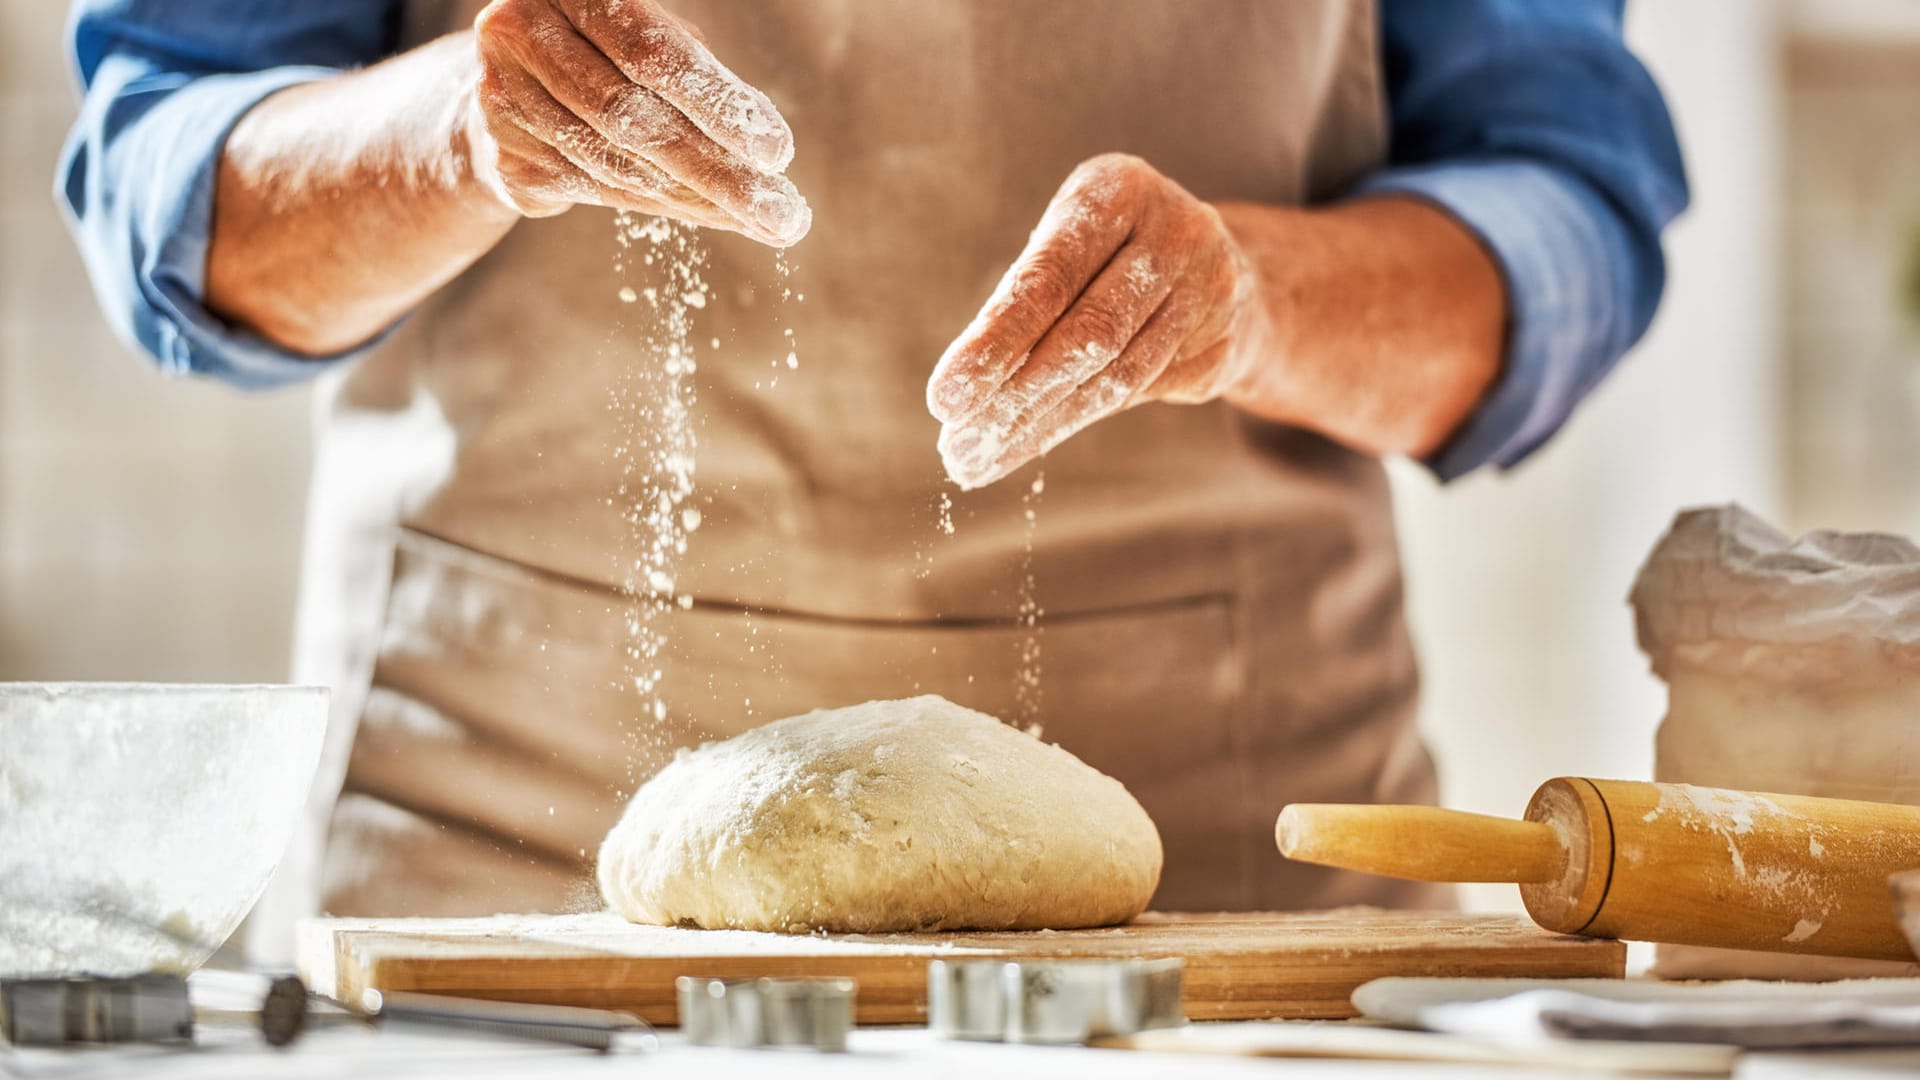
(1858, 1012)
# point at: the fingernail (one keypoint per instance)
(950, 399)
(769, 142)
(962, 445)
(952, 394)
(784, 214)
(772, 150)
(971, 475)
(963, 473)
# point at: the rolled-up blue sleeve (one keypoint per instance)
(164, 83)
(1532, 123)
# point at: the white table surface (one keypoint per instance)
(357, 1053)
(365, 1055)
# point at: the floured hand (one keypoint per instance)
(1130, 290)
(617, 103)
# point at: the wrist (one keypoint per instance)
(1385, 320)
(471, 157)
(1264, 328)
(342, 202)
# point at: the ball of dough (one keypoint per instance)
(893, 815)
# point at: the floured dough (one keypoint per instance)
(893, 815)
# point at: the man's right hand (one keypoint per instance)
(617, 103)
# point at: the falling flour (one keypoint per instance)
(1026, 687)
(790, 359)
(763, 649)
(654, 403)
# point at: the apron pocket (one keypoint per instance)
(538, 672)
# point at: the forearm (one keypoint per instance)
(1380, 321)
(341, 204)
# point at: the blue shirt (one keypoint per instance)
(1527, 119)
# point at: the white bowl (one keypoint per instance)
(139, 823)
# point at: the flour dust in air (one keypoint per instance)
(943, 525)
(1026, 687)
(763, 652)
(658, 263)
(788, 359)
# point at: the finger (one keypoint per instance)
(632, 118)
(656, 50)
(546, 183)
(1081, 230)
(1118, 385)
(1086, 339)
(515, 167)
(1200, 366)
(507, 85)
(614, 177)
(582, 78)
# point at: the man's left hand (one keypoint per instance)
(1130, 290)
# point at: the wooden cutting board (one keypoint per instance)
(1239, 966)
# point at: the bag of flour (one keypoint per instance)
(1791, 666)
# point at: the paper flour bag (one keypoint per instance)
(1791, 666)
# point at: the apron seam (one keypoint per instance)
(561, 579)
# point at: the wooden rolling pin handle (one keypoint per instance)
(1421, 843)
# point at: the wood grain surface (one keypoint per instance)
(1676, 864)
(1239, 966)
(1746, 870)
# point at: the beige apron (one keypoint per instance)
(1222, 621)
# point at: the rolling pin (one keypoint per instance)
(1669, 863)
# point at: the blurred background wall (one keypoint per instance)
(1518, 582)
(149, 529)
(1780, 373)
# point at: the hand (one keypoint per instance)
(1130, 290)
(617, 103)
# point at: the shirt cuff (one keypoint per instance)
(189, 133)
(1561, 249)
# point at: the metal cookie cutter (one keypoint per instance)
(814, 1013)
(158, 1008)
(53, 1012)
(1051, 1001)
